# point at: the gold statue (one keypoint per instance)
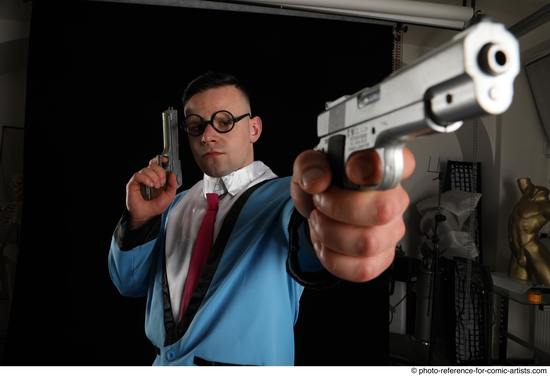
(530, 258)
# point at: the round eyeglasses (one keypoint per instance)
(222, 121)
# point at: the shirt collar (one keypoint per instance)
(236, 181)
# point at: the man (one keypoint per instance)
(271, 236)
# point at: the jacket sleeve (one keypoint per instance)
(302, 263)
(132, 255)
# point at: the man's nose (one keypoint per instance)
(209, 133)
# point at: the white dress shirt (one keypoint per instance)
(186, 217)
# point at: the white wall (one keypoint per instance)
(509, 146)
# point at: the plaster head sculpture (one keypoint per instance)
(530, 258)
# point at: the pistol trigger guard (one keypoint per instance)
(391, 159)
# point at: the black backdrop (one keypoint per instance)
(100, 74)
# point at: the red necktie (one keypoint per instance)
(200, 250)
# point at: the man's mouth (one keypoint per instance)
(211, 154)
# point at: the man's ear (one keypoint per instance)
(255, 128)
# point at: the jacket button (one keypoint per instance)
(170, 355)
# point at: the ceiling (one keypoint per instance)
(15, 21)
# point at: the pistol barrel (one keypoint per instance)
(469, 76)
(171, 142)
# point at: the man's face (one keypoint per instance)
(219, 154)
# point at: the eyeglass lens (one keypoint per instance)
(222, 121)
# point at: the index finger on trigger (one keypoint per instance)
(365, 167)
(160, 171)
(155, 161)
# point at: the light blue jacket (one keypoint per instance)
(250, 308)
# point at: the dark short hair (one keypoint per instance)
(212, 80)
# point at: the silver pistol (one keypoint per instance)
(171, 151)
(469, 76)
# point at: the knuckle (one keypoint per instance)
(364, 271)
(367, 243)
(384, 212)
(370, 268)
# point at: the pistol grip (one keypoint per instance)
(150, 193)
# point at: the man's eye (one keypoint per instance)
(193, 124)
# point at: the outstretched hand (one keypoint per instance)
(354, 233)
